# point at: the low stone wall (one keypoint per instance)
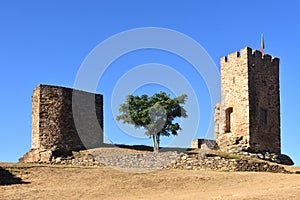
(199, 162)
(203, 144)
(120, 159)
(124, 159)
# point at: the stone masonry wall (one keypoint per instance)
(54, 128)
(203, 144)
(264, 97)
(235, 95)
(35, 121)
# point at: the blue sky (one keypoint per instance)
(47, 42)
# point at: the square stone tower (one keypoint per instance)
(54, 130)
(248, 116)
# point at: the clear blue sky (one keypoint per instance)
(46, 42)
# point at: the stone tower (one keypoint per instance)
(54, 132)
(248, 116)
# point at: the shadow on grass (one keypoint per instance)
(7, 178)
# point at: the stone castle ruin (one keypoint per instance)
(54, 132)
(246, 119)
(248, 116)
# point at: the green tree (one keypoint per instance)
(155, 114)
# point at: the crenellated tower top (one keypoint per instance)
(249, 53)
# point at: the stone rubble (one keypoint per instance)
(150, 160)
(213, 162)
(271, 157)
(173, 159)
(129, 160)
(83, 160)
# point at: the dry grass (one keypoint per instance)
(59, 182)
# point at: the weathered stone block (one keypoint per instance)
(203, 144)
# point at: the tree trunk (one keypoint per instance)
(155, 143)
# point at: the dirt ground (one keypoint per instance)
(58, 182)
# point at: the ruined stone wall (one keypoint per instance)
(55, 130)
(203, 144)
(264, 102)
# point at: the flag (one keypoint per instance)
(262, 44)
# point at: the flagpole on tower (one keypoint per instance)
(262, 44)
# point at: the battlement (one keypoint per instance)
(246, 53)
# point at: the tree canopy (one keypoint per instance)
(155, 114)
